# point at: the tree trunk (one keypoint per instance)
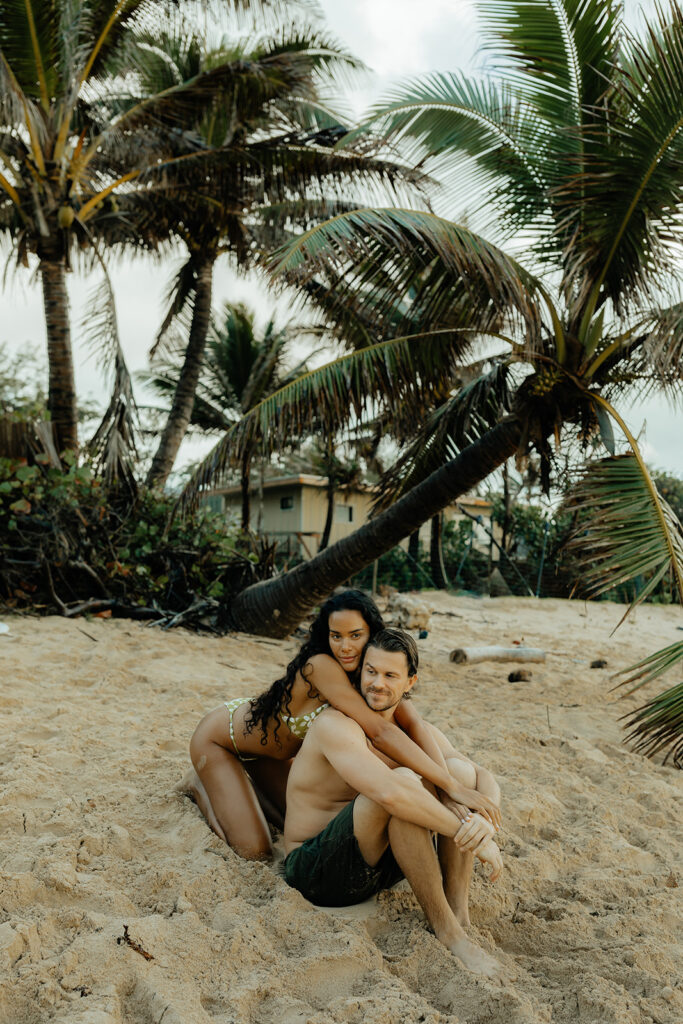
(436, 554)
(245, 484)
(61, 389)
(183, 399)
(507, 505)
(327, 529)
(275, 607)
(414, 556)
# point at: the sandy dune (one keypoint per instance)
(96, 717)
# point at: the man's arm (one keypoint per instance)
(342, 742)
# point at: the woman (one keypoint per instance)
(242, 751)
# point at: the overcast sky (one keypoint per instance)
(397, 39)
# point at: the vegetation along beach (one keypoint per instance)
(304, 299)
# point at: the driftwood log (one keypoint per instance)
(471, 655)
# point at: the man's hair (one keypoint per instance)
(396, 640)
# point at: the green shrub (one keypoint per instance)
(65, 539)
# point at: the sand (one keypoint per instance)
(96, 717)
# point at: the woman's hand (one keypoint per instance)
(476, 801)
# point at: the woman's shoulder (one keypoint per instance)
(317, 663)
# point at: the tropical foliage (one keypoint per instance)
(239, 369)
(579, 155)
(69, 545)
(627, 531)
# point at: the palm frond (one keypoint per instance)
(558, 54)
(29, 41)
(179, 295)
(662, 347)
(113, 446)
(633, 155)
(658, 725)
(476, 138)
(416, 250)
(476, 407)
(651, 667)
(391, 374)
(102, 27)
(625, 529)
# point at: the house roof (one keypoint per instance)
(320, 482)
(302, 480)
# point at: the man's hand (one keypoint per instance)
(476, 801)
(473, 831)
(489, 853)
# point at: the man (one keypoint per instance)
(357, 824)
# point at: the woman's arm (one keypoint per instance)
(332, 683)
(412, 722)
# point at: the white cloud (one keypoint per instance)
(398, 41)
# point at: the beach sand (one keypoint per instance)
(96, 719)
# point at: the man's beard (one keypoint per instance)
(386, 707)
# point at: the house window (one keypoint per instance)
(343, 513)
(287, 501)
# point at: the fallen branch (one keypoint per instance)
(472, 655)
(133, 944)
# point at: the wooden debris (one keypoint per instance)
(522, 675)
(472, 655)
(133, 944)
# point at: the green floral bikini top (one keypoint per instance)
(298, 724)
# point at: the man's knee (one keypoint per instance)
(367, 810)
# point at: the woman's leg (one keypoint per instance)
(232, 802)
(270, 782)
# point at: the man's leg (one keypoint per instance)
(456, 865)
(370, 822)
(456, 870)
(415, 854)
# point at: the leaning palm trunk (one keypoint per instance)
(327, 529)
(62, 389)
(275, 607)
(183, 399)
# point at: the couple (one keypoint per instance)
(358, 816)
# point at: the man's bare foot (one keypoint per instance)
(475, 959)
(191, 785)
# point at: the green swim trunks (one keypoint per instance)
(330, 871)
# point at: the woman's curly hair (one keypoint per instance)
(276, 701)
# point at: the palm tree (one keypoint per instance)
(240, 368)
(580, 144)
(53, 179)
(71, 143)
(271, 156)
